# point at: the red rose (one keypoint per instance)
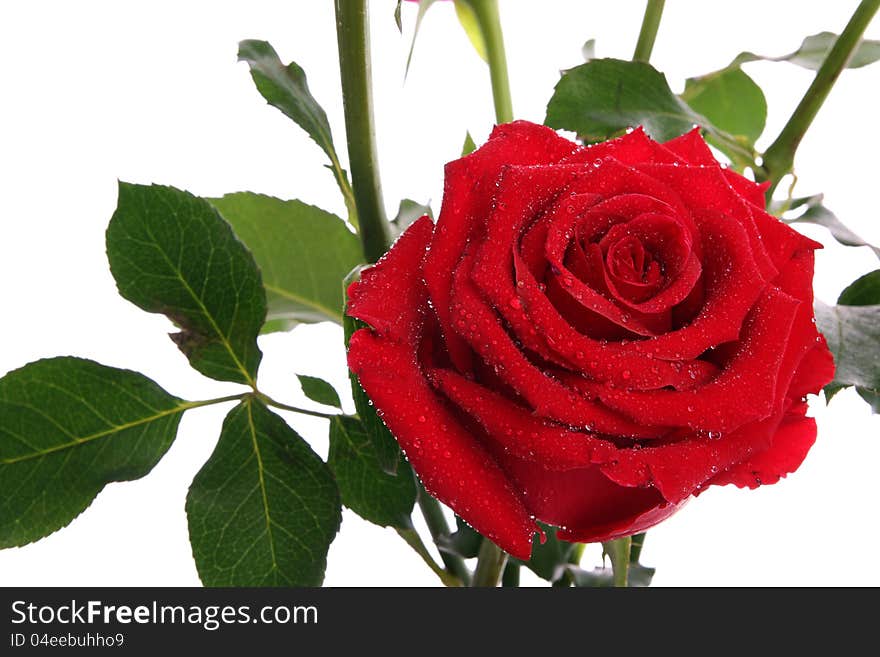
(589, 336)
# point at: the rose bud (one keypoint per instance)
(589, 336)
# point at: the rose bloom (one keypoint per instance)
(590, 335)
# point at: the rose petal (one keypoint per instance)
(584, 504)
(391, 296)
(669, 241)
(386, 296)
(743, 392)
(480, 327)
(732, 283)
(754, 193)
(796, 280)
(682, 469)
(780, 239)
(814, 372)
(639, 521)
(523, 436)
(493, 268)
(706, 189)
(602, 361)
(692, 148)
(791, 442)
(447, 458)
(631, 148)
(515, 430)
(467, 198)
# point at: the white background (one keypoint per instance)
(151, 92)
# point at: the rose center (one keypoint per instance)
(629, 261)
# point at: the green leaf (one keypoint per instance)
(407, 213)
(603, 97)
(286, 88)
(171, 253)
(318, 390)
(550, 558)
(812, 53)
(853, 335)
(861, 335)
(817, 213)
(639, 576)
(397, 16)
(264, 509)
(870, 396)
(779, 207)
(469, 146)
(387, 450)
(815, 48)
(864, 291)
(69, 427)
(731, 100)
(281, 325)
(465, 542)
(302, 251)
(831, 390)
(424, 6)
(383, 499)
(468, 20)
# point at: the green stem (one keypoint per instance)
(618, 551)
(490, 563)
(648, 33)
(266, 399)
(779, 157)
(510, 577)
(489, 20)
(635, 551)
(574, 558)
(413, 539)
(353, 39)
(437, 526)
(217, 400)
(345, 187)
